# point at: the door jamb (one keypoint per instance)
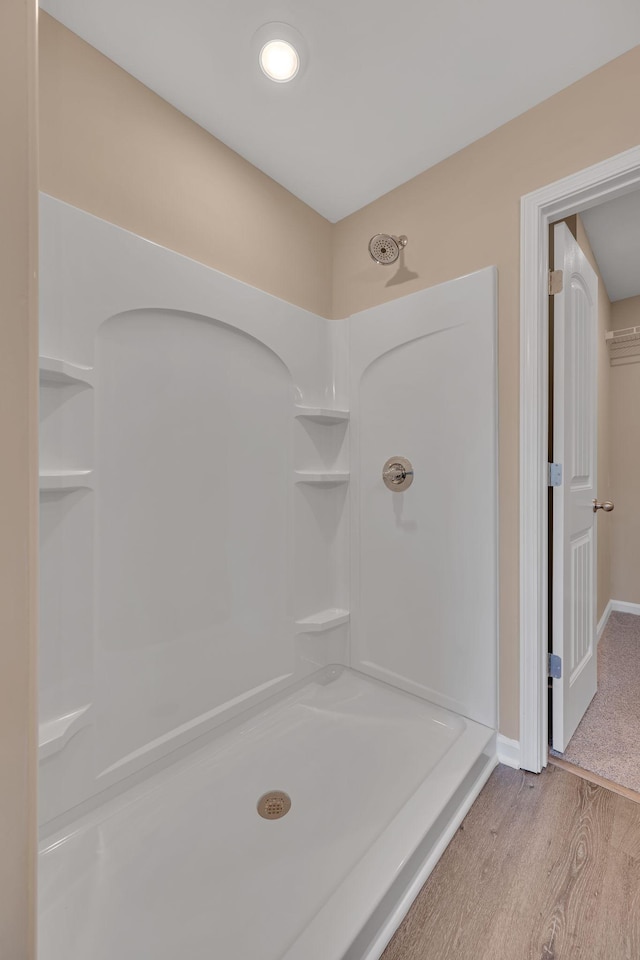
(606, 180)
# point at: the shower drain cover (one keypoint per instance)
(274, 804)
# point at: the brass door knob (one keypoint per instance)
(607, 506)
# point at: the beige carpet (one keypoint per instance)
(607, 740)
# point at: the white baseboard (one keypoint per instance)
(603, 620)
(620, 606)
(508, 751)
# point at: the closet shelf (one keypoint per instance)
(54, 735)
(64, 372)
(325, 477)
(624, 346)
(323, 620)
(324, 415)
(65, 480)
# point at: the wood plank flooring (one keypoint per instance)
(544, 867)
(594, 778)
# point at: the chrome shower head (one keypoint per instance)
(385, 249)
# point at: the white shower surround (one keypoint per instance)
(215, 535)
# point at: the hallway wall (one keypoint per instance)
(625, 464)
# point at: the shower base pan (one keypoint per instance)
(184, 865)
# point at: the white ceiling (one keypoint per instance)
(389, 89)
(613, 229)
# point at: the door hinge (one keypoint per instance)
(555, 282)
(555, 475)
(555, 666)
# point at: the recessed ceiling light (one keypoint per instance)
(279, 53)
(279, 60)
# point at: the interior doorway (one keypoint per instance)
(618, 177)
(594, 556)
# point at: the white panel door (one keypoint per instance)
(574, 523)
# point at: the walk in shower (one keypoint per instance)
(268, 655)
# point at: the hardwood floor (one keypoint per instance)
(544, 867)
(595, 778)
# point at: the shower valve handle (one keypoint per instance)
(397, 474)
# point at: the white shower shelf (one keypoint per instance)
(330, 476)
(64, 372)
(54, 735)
(323, 620)
(324, 415)
(51, 480)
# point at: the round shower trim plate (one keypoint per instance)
(274, 805)
(397, 474)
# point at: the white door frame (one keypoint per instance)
(611, 178)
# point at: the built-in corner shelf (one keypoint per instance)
(54, 735)
(65, 480)
(324, 477)
(64, 373)
(323, 620)
(322, 414)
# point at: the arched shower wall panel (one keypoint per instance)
(199, 530)
(424, 560)
(177, 410)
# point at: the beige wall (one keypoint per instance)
(625, 313)
(112, 147)
(18, 478)
(604, 521)
(625, 465)
(464, 214)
